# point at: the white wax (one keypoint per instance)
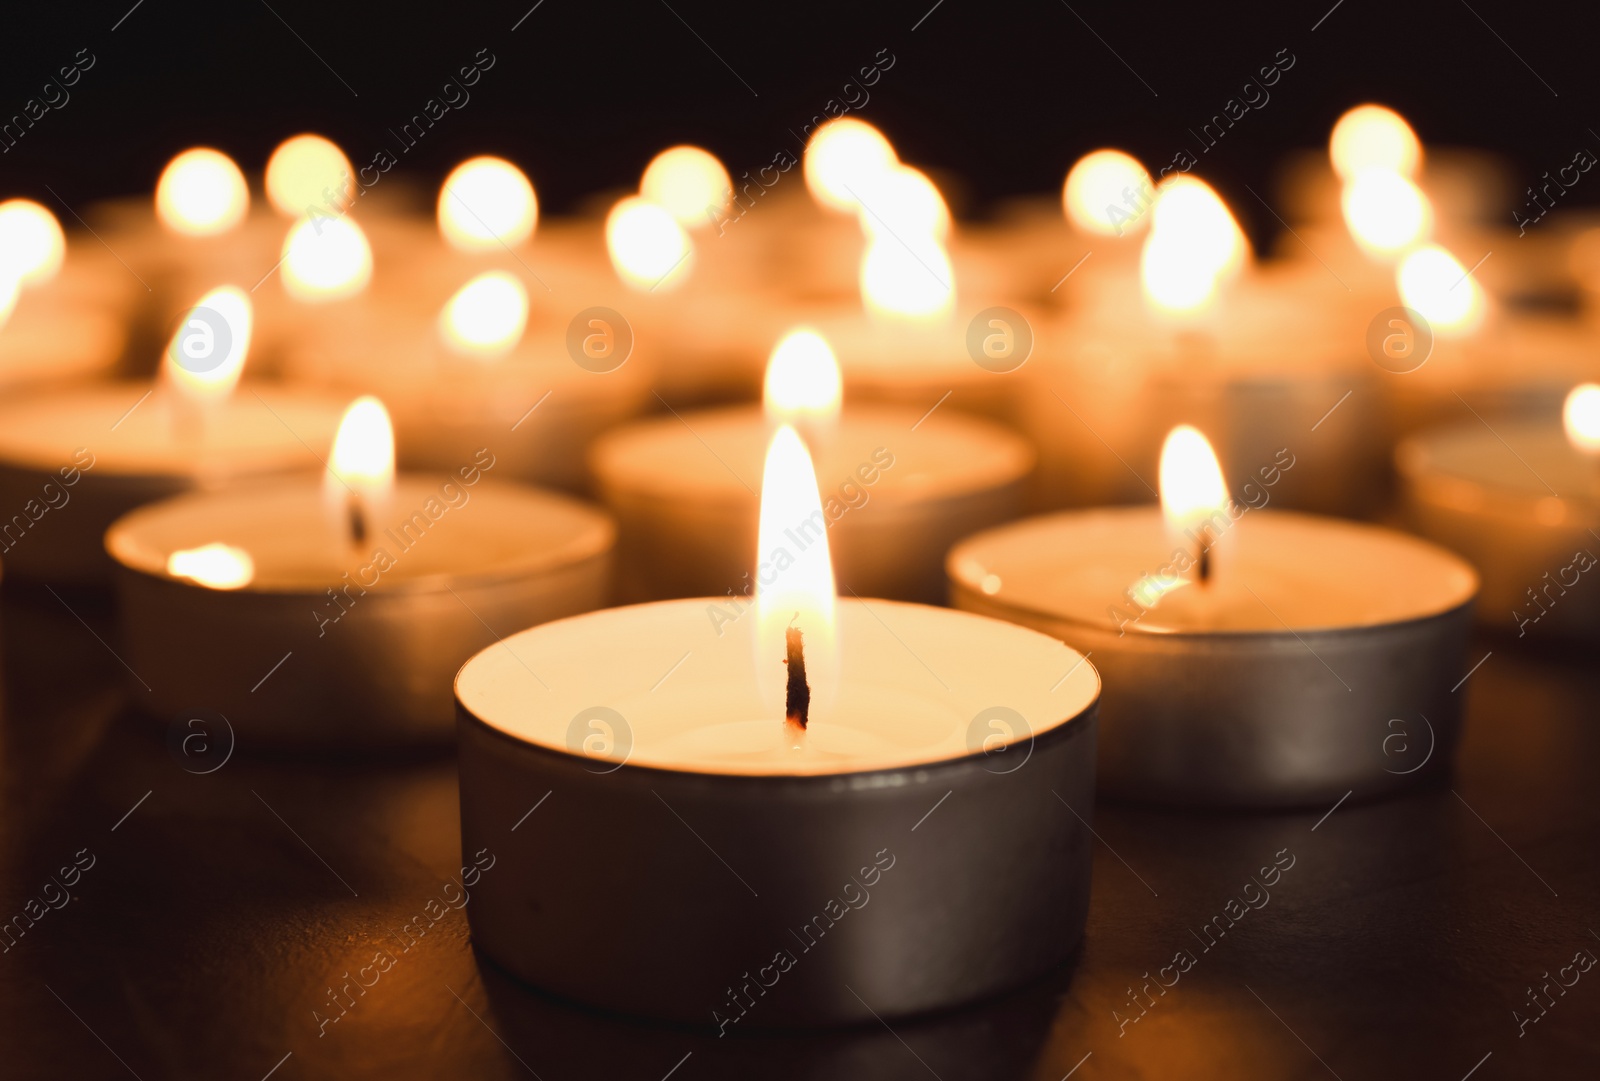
(913, 686)
(1274, 571)
(432, 529)
(1518, 460)
(141, 429)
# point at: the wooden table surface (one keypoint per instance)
(214, 910)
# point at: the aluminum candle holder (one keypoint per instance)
(922, 850)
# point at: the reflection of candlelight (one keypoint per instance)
(689, 183)
(1107, 192)
(201, 193)
(648, 248)
(326, 259)
(487, 202)
(487, 316)
(215, 565)
(360, 471)
(842, 158)
(1432, 282)
(1193, 495)
(31, 244)
(308, 174)
(796, 593)
(1371, 136)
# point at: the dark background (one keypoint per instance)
(1003, 97)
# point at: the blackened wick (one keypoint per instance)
(797, 700)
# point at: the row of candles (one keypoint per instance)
(272, 566)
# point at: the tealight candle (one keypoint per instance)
(75, 458)
(1521, 501)
(902, 485)
(742, 778)
(369, 592)
(1250, 658)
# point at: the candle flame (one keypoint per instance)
(907, 277)
(486, 203)
(326, 259)
(1106, 193)
(1433, 283)
(201, 193)
(31, 242)
(215, 566)
(1194, 245)
(1385, 212)
(1192, 489)
(361, 464)
(794, 575)
(842, 158)
(487, 316)
(900, 201)
(208, 351)
(689, 183)
(802, 378)
(9, 287)
(1580, 416)
(307, 174)
(648, 248)
(1371, 136)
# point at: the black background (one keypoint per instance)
(995, 99)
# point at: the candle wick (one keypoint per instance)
(1203, 562)
(358, 520)
(797, 700)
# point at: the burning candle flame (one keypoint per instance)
(1194, 245)
(794, 574)
(360, 472)
(908, 276)
(648, 248)
(1107, 192)
(1580, 416)
(1192, 490)
(308, 174)
(487, 316)
(32, 245)
(842, 158)
(901, 202)
(689, 183)
(1372, 136)
(326, 259)
(208, 351)
(215, 566)
(201, 193)
(1433, 283)
(486, 203)
(1385, 212)
(803, 379)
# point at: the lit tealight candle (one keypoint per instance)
(309, 176)
(738, 771)
(368, 590)
(900, 486)
(325, 260)
(690, 184)
(1266, 677)
(649, 248)
(1521, 501)
(32, 245)
(73, 459)
(487, 204)
(201, 193)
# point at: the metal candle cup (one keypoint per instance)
(897, 493)
(368, 644)
(921, 848)
(73, 460)
(1281, 688)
